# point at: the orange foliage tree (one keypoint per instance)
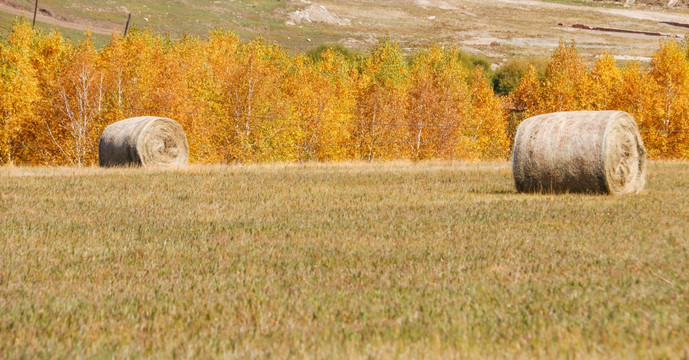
(658, 97)
(488, 127)
(381, 104)
(253, 101)
(321, 101)
(248, 111)
(670, 125)
(75, 118)
(241, 102)
(438, 99)
(19, 92)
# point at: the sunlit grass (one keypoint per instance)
(338, 261)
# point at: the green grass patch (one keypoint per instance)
(6, 21)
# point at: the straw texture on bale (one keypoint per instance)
(579, 151)
(143, 141)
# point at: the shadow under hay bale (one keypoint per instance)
(143, 141)
(579, 151)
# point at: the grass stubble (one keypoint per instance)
(387, 260)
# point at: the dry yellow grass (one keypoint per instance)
(338, 261)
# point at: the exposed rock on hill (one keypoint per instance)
(316, 13)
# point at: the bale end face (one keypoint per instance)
(144, 141)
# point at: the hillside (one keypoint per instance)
(498, 30)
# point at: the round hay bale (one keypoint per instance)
(143, 141)
(579, 151)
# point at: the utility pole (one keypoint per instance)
(35, 11)
(126, 27)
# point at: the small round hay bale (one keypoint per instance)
(143, 141)
(579, 151)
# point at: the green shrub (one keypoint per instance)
(508, 75)
(471, 61)
(316, 53)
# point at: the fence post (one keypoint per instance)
(35, 11)
(126, 27)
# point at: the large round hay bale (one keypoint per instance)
(579, 151)
(144, 141)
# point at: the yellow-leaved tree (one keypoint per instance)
(487, 128)
(638, 95)
(670, 126)
(605, 82)
(250, 114)
(439, 104)
(51, 55)
(567, 85)
(253, 101)
(380, 129)
(658, 98)
(19, 93)
(74, 123)
(321, 100)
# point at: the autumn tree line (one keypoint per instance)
(254, 101)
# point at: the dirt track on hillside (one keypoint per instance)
(50, 20)
(502, 27)
(656, 15)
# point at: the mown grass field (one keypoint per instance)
(338, 261)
